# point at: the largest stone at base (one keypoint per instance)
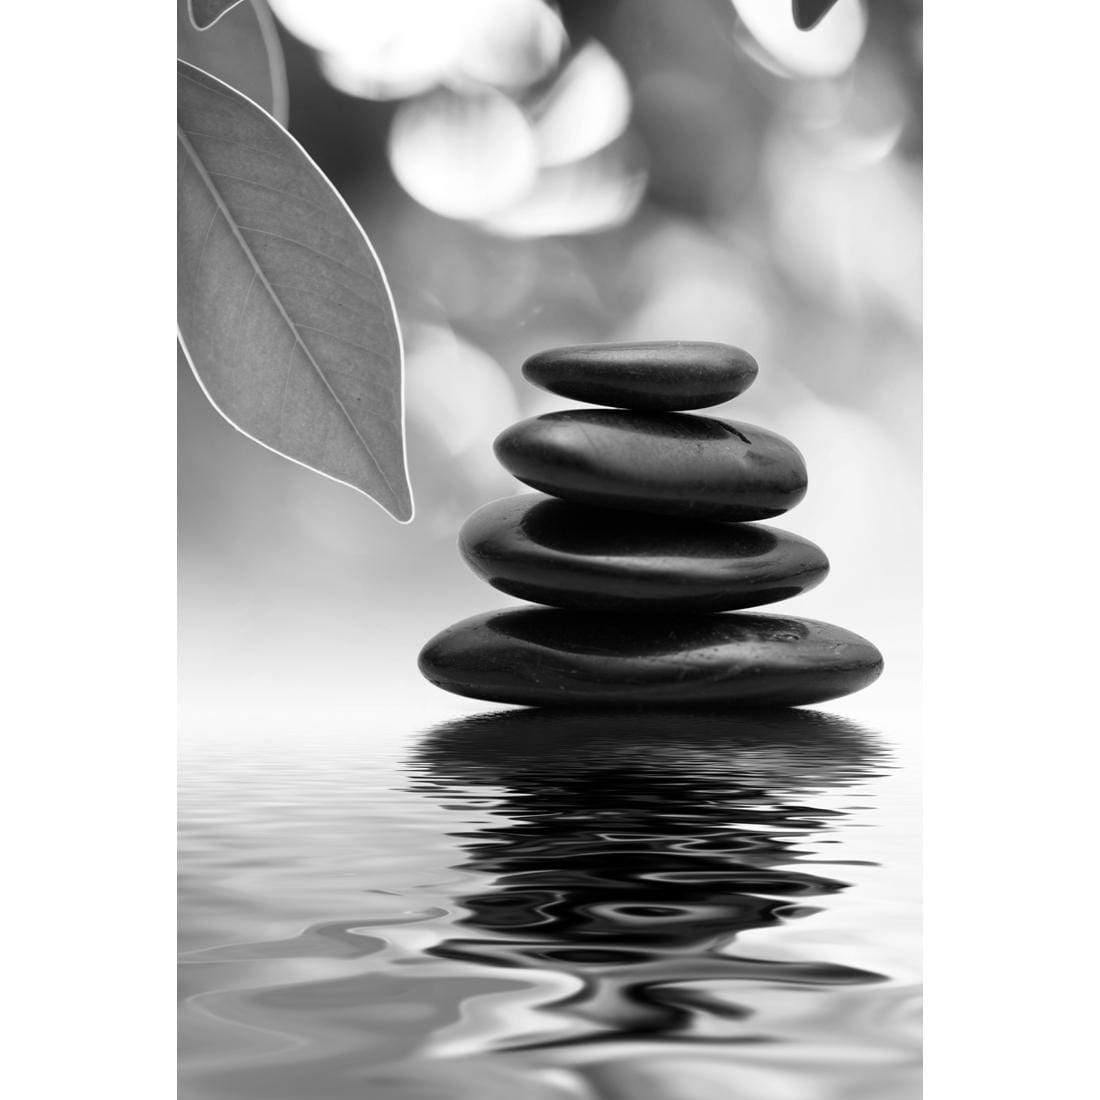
(545, 657)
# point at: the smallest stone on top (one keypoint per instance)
(668, 376)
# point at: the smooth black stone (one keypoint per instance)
(539, 657)
(666, 463)
(574, 556)
(661, 376)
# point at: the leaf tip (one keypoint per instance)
(402, 510)
(808, 13)
(397, 504)
(211, 13)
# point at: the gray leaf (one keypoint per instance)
(284, 311)
(205, 13)
(808, 13)
(243, 50)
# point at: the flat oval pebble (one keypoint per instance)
(661, 376)
(570, 555)
(666, 463)
(540, 656)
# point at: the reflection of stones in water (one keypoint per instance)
(634, 846)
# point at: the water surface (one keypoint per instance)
(539, 904)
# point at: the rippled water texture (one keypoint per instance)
(529, 904)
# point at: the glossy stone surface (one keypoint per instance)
(571, 555)
(666, 463)
(654, 377)
(542, 657)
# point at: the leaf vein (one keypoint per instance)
(342, 339)
(266, 187)
(307, 247)
(250, 255)
(354, 293)
(229, 141)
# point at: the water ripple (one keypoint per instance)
(537, 903)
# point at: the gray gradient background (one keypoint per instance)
(780, 213)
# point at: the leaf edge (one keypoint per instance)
(393, 310)
(808, 25)
(206, 26)
(276, 61)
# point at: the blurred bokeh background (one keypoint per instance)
(534, 174)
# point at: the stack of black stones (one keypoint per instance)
(643, 547)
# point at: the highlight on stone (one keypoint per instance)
(643, 551)
(674, 464)
(569, 555)
(653, 377)
(537, 656)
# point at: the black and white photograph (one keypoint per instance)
(549, 519)
(547, 550)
